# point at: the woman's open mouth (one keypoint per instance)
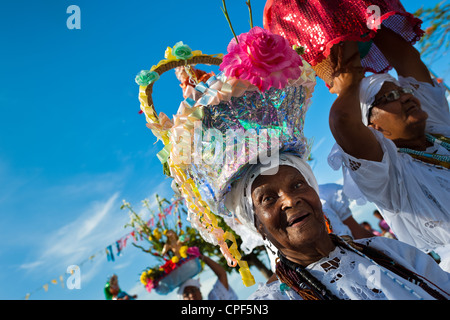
(298, 219)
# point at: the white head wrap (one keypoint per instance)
(368, 89)
(239, 201)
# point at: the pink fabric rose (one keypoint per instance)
(262, 58)
(193, 251)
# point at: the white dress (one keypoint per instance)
(351, 276)
(412, 196)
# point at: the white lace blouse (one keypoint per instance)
(351, 276)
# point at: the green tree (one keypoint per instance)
(437, 21)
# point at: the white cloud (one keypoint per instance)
(73, 242)
(31, 265)
(90, 223)
(94, 227)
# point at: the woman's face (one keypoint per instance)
(288, 211)
(399, 119)
(192, 293)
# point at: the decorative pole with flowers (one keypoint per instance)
(156, 233)
(167, 241)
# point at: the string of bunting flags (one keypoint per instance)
(117, 246)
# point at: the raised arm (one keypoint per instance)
(217, 269)
(402, 55)
(345, 114)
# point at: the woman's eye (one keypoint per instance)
(267, 199)
(392, 96)
(298, 185)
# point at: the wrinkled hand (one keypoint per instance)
(346, 63)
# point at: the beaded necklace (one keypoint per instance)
(436, 159)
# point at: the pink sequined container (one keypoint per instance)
(317, 25)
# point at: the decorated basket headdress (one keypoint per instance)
(249, 112)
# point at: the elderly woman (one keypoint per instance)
(283, 206)
(392, 141)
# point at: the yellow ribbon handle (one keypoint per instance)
(244, 270)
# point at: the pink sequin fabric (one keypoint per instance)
(319, 24)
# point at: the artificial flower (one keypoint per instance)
(183, 251)
(143, 278)
(146, 276)
(168, 266)
(146, 77)
(157, 234)
(175, 259)
(149, 286)
(182, 51)
(262, 58)
(193, 251)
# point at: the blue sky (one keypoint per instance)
(72, 144)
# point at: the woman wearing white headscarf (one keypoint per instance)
(392, 143)
(335, 206)
(282, 206)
